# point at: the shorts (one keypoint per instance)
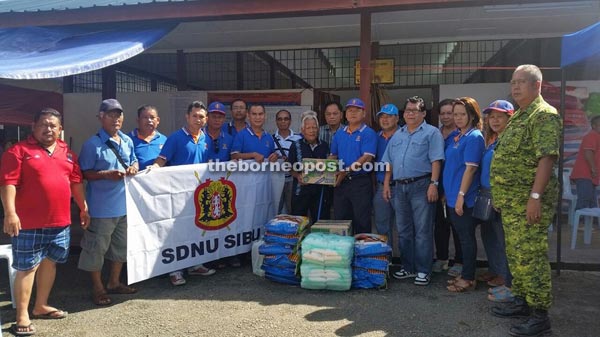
(104, 238)
(31, 246)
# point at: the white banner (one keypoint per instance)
(185, 215)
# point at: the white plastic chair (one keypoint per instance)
(6, 253)
(589, 214)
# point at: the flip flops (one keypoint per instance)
(461, 286)
(101, 299)
(54, 314)
(500, 294)
(121, 289)
(23, 330)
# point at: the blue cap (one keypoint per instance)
(355, 102)
(388, 109)
(500, 105)
(216, 107)
(109, 105)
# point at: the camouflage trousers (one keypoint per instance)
(527, 253)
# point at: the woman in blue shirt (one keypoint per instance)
(461, 182)
(492, 233)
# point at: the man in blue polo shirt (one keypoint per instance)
(105, 159)
(354, 145)
(414, 156)
(254, 142)
(187, 146)
(239, 113)
(218, 142)
(384, 211)
(146, 139)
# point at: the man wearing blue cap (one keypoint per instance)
(384, 212)
(218, 141)
(354, 145)
(414, 156)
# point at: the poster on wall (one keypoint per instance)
(581, 104)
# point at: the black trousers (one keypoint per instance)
(353, 200)
(306, 203)
(443, 227)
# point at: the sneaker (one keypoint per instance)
(200, 270)
(176, 278)
(439, 266)
(455, 270)
(422, 279)
(402, 274)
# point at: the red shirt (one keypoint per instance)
(43, 182)
(581, 169)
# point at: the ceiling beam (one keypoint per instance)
(205, 10)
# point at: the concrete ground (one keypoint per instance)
(234, 302)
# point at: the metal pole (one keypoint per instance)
(365, 62)
(563, 88)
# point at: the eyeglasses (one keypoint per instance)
(283, 119)
(414, 111)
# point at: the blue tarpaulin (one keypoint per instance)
(48, 52)
(581, 45)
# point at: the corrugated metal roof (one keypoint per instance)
(61, 5)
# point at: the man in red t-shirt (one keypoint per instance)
(585, 172)
(38, 176)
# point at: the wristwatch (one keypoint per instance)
(461, 193)
(434, 182)
(535, 196)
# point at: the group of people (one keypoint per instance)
(428, 188)
(501, 156)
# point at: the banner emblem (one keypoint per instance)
(215, 204)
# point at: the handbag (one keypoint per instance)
(483, 208)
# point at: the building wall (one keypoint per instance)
(81, 111)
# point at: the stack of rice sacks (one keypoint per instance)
(370, 268)
(282, 240)
(327, 261)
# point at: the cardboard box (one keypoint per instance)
(339, 227)
(319, 171)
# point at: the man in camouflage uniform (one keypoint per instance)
(526, 191)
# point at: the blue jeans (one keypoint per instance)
(414, 223)
(384, 214)
(586, 194)
(465, 227)
(492, 235)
